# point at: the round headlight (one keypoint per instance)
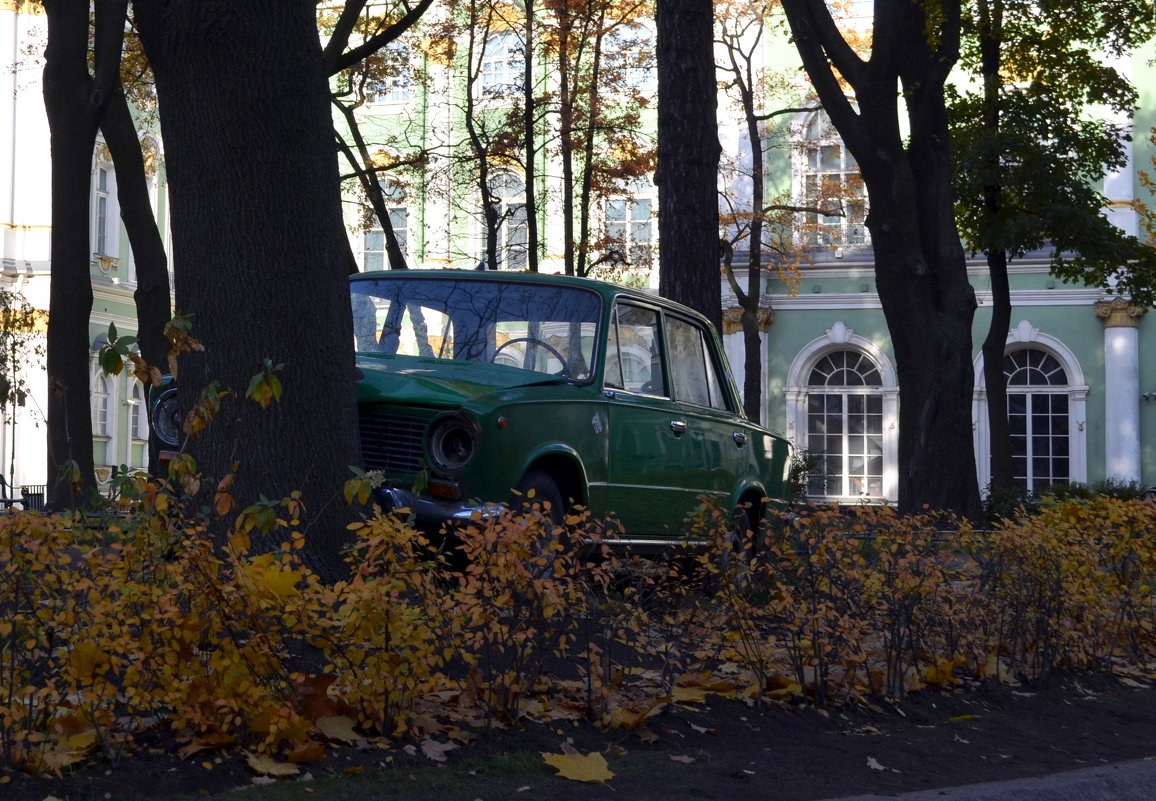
(452, 443)
(166, 418)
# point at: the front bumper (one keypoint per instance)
(432, 511)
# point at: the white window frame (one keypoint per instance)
(397, 207)
(623, 232)
(105, 225)
(835, 230)
(841, 337)
(501, 71)
(138, 419)
(510, 205)
(396, 89)
(1026, 336)
(104, 396)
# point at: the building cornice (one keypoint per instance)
(870, 300)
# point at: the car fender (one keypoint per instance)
(548, 454)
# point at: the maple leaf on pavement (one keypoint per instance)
(577, 767)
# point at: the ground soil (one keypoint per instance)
(723, 749)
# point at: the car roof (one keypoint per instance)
(604, 288)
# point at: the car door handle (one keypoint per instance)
(678, 427)
(740, 438)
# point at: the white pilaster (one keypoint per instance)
(1121, 388)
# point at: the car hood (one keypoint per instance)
(437, 382)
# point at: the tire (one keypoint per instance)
(546, 503)
(738, 551)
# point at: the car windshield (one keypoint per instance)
(539, 327)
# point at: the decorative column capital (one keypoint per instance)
(1119, 313)
(733, 319)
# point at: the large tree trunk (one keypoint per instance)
(688, 156)
(920, 269)
(72, 120)
(259, 246)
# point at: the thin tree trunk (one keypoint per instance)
(152, 296)
(993, 373)
(529, 131)
(995, 343)
(73, 103)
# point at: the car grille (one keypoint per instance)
(391, 442)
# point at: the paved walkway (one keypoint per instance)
(1124, 781)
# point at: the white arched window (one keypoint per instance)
(502, 64)
(827, 177)
(842, 404)
(1047, 401)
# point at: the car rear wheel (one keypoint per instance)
(738, 551)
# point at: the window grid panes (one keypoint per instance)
(845, 426)
(138, 419)
(374, 253)
(831, 180)
(396, 86)
(502, 64)
(1038, 419)
(100, 403)
(629, 227)
(513, 231)
(102, 211)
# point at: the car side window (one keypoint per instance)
(633, 352)
(694, 374)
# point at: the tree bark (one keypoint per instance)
(259, 246)
(73, 101)
(920, 268)
(688, 157)
(153, 296)
(530, 132)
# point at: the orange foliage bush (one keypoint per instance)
(110, 626)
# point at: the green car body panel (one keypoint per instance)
(460, 399)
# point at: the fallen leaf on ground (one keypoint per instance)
(576, 767)
(339, 729)
(435, 750)
(266, 766)
(686, 760)
(689, 695)
(874, 764)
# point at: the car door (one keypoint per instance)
(717, 437)
(646, 488)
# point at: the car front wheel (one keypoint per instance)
(541, 501)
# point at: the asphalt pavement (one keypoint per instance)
(1123, 781)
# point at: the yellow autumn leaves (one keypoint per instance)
(144, 621)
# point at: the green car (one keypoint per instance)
(477, 386)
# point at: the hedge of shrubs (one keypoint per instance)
(143, 628)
